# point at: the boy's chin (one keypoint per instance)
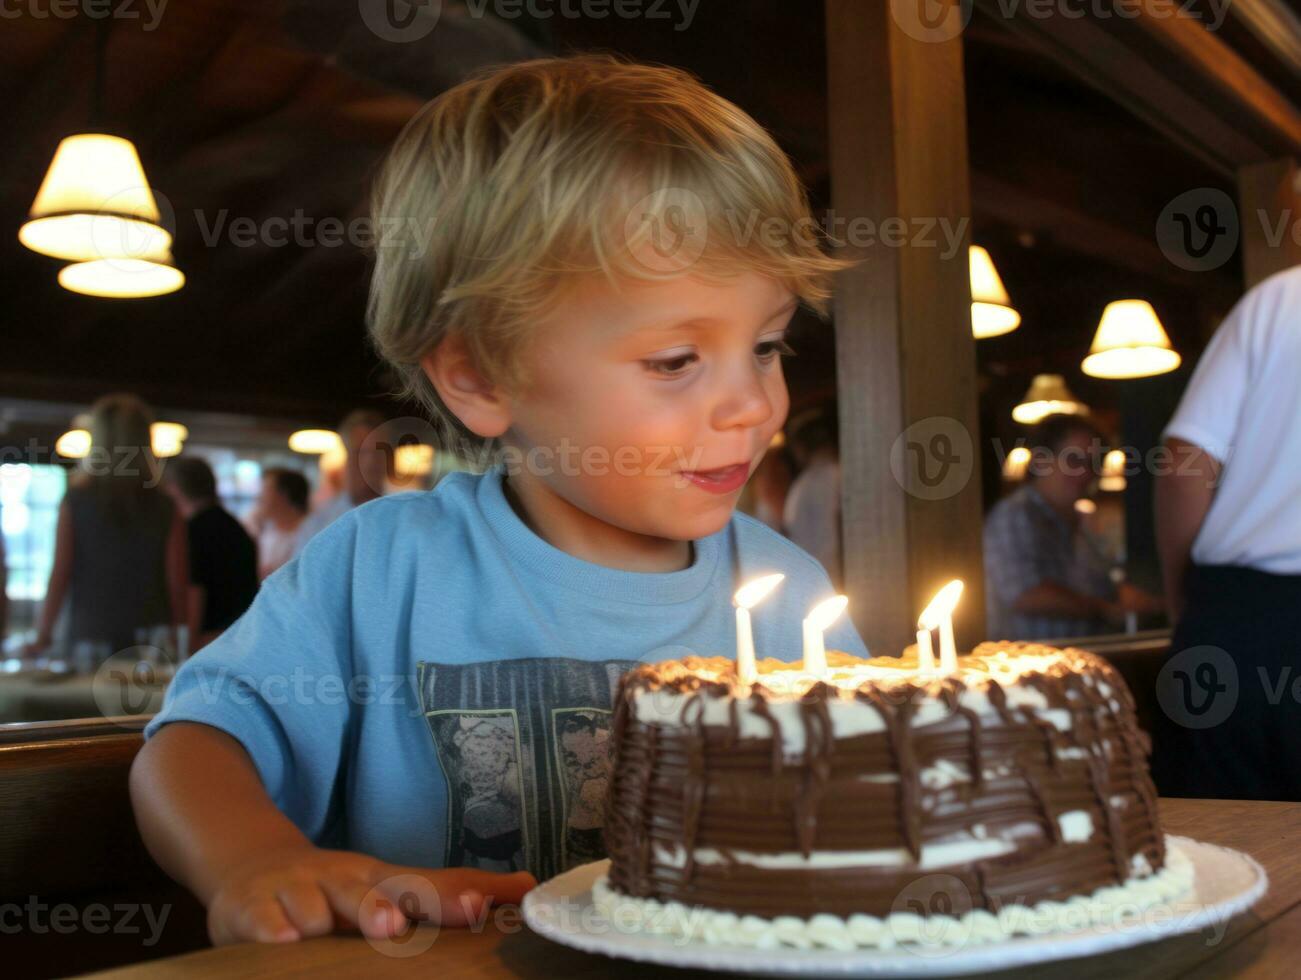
(692, 527)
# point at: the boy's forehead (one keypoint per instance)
(651, 305)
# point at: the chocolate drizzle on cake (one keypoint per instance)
(1024, 775)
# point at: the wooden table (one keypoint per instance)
(1265, 942)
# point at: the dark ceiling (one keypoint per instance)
(254, 110)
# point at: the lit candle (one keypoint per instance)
(745, 599)
(925, 656)
(939, 614)
(815, 623)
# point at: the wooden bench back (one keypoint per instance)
(68, 841)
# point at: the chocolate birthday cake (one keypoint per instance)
(862, 808)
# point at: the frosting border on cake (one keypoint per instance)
(1107, 907)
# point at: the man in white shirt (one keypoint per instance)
(812, 509)
(1228, 527)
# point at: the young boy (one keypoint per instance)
(578, 273)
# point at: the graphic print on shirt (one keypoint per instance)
(524, 747)
(581, 741)
(479, 751)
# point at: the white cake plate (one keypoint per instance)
(1225, 883)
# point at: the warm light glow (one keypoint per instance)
(1016, 464)
(1085, 506)
(166, 438)
(750, 593)
(827, 611)
(991, 307)
(170, 430)
(1047, 395)
(122, 278)
(73, 444)
(778, 440)
(1130, 343)
(333, 459)
(942, 606)
(315, 441)
(1113, 472)
(413, 459)
(95, 203)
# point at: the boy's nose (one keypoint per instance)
(745, 402)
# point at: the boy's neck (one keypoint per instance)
(578, 533)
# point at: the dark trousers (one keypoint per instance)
(1229, 692)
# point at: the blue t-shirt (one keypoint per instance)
(430, 682)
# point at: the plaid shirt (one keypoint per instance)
(1026, 543)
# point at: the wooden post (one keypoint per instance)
(1270, 218)
(906, 370)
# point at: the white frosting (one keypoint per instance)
(944, 774)
(849, 716)
(1111, 906)
(1076, 826)
(961, 849)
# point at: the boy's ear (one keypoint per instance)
(482, 407)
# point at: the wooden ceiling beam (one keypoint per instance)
(1123, 72)
(1222, 68)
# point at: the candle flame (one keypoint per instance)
(945, 601)
(826, 612)
(750, 593)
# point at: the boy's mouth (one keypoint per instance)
(724, 479)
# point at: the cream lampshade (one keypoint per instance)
(991, 307)
(123, 278)
(1130, 343)
(414, 459)
(167, 438)
(1047, 395)
(95, 203)
(1016, 464)
(1113, 472)
(316, 441)
(73, 444)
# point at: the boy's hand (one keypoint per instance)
(307, 891)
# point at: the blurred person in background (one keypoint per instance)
(1228, 526)
(365, 474)
(120, 556)
(811, 513)
(1045, 578)
(223, 558)
(280, 511)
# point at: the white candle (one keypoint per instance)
(815, 623)
(948, 648)
(925, 655)
(939, 615)
(745, 599)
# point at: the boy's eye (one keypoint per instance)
(670, 366)
(767, 350)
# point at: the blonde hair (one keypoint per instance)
(508, 189)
